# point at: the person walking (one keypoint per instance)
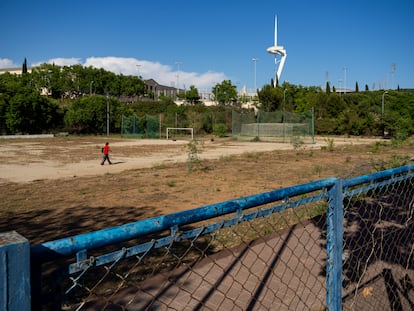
(105, 151)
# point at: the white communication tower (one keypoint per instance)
(280, 56)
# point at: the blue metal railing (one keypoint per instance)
(72, 245)
(333, 190)
(80, 245)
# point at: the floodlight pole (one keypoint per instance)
(382, 105)
(382, 113)
(178, 63)
(254, 61)
(344, 80)
(107, 114)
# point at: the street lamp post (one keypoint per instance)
(382, 112)
(178, 76)
(340, 87)
(344, 89)
(382, 105)
(255, 61)
(107, 114)
(283, 112)
(215, 91)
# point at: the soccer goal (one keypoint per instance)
(180, 132)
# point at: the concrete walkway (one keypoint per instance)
(283, 271)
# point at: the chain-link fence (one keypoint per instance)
(272, 125)
(255, 253)
(248, 124)
(155, 126)
(378, 244)
(330, 244)
(144, 127)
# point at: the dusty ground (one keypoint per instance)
(56, 187)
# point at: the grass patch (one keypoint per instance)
(171, 183)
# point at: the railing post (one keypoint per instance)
(14, 272)
(335, 216)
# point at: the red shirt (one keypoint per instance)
(106, 149)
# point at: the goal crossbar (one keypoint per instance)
(181, 129)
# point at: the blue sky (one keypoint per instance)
(204, 42)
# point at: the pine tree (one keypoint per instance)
(328, 88)
(24, 68)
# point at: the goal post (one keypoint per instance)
(182, 129)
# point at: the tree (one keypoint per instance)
(192, 95)
(3, 111)
(356, 87)
(270, 98)
(328, 88)
(89, 115)
(24, 67)
(29, 112)
(225, 93)
(11, 84)
(131, 85)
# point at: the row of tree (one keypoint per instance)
(75, 99)
(356, 113)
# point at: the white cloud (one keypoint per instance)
(163, 74)
(117, 65)
(7, 63)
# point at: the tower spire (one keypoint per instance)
(275, 30)
(277, 50)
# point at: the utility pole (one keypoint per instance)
(178, 76)
(107, 114)
(345, 79)
(255, 61)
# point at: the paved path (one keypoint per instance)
(281, 272)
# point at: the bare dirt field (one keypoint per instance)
(56, 187)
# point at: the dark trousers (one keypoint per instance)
(104, 158)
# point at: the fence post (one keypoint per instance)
(14, 272)
(335, 216)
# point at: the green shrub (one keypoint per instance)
(220, 129)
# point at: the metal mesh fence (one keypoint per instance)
(328, 244)
(275, 124)
(146, 126)
(378, 250)
(239, 124)
(154, 126)
(270, 257)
